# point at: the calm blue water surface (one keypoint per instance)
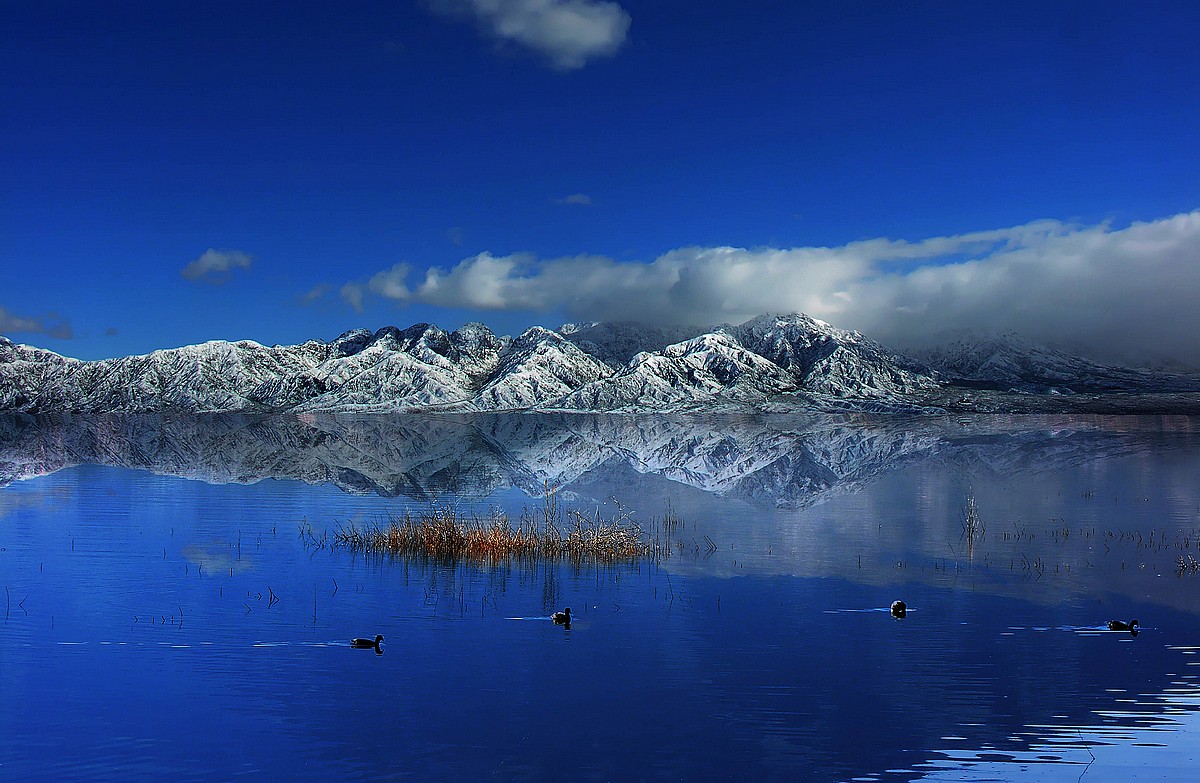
(168, 627)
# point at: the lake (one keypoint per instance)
(165, 617)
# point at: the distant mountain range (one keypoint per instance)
(1008, 361)
(770, 363)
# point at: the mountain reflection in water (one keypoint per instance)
(773, 461)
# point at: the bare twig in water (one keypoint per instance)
(1089, 750)
(972, 525)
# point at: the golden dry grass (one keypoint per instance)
(443, 533)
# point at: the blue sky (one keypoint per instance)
(178, 172)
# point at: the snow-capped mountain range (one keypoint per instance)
(772, 362)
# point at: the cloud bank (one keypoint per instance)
(567, 32)
(1125, 294)
(51, 326)
(214, 266)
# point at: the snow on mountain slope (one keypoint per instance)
(684, 375)
(394, 381)
(214, 376)
(539, 368)
(828, 360)
(27, 375)
(391, 369)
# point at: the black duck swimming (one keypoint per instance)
(363, 644)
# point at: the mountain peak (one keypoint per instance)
(351, 342)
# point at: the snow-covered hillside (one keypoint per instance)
(772, 362)
(471, 369)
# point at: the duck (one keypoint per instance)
(563, 617)
(363, 644)
(1117, 625)
(899, 609)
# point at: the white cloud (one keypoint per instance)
(316, 293)
(51, 326)
(214, 265)
(1115, 293)
(352, 294)
(567, 32)
(577, 199)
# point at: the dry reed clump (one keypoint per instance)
(444, 534)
